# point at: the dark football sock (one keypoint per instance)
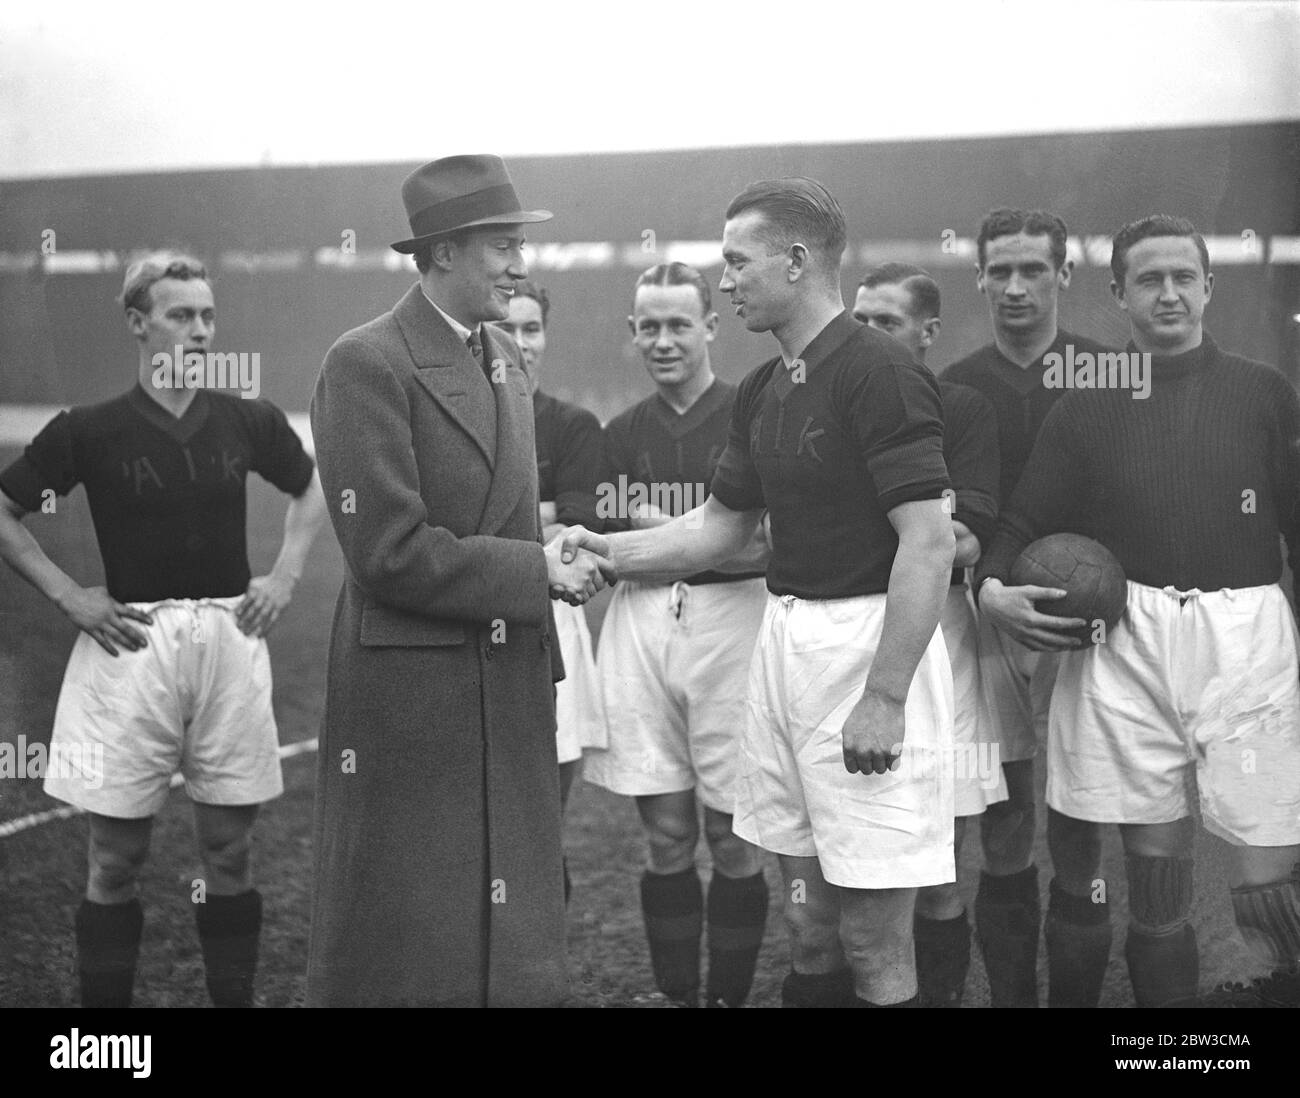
(1163, 964)
(1007, 915)
(942, 959)
(1164, 969)
(1268, 917)
(673, 904)
(1078, 934)
(229, 927)
(108, 944)
(914, 1001)
(818, 989)
(737, 914)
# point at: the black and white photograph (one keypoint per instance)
(652, 506)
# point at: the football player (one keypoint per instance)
(170, 671)
(673, 655)
(1022, 271)
(845, 768)
(568, 469)
(903, 301)
(1183, 460)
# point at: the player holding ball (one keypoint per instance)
(1190, 488)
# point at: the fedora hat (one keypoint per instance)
(460, 192)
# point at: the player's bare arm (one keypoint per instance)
(1011, 609)
(546, 512)
(918, 583)
(90, 609)
(752, 558)
(968, 550)
(269, 595)
(694, 542)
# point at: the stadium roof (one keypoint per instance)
(86, 89)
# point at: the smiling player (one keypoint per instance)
(1190, 489)
(846, 760)
(673, 656)
(568, 469)
(170, 671)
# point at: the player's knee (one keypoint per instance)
(115, 866)
(672, 839)
(227, 855)
(731, 854)
(1160, 893)
(942, 901)
(1007, 834)
(813, 926)
(878, 948)
(1075, 847)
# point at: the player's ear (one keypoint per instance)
(1209, 286)
(979, 278)
(930, 331)
(631, 325)
(136, 321)
(1063, 274)
(1117, 292)
(798, 262)
(710, 326)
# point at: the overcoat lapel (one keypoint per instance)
(448, 372)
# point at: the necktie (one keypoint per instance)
(475, 344)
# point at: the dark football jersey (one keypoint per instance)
(667, 459)
(569, 449)
(831, 455)
(1019, 398)
(970, 450)
(167, 495)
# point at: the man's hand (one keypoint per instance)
(95, 612)
(873, 735)
(265, 600)
(1011, 609)
(577, 565)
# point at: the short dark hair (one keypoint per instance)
(1007, 222)
(675, 274)
(526, 287)
(424, 253)
(143, 273)
(923, 290)
(797, 210)
(1144, 228)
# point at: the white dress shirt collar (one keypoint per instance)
(461, 331)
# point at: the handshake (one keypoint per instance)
(578, 564)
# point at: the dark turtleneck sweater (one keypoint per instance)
(1189, 487)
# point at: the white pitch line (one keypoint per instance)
(67, 811)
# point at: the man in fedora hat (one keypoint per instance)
(437, 833)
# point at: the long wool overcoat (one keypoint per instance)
(437, 831)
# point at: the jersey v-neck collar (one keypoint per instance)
(825, 343)
(683, 423)
(182, 428)
(1026, 379)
